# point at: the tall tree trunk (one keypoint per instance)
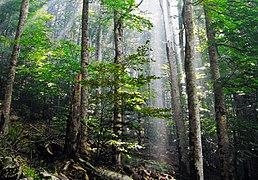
(57, 19)
(98, 110)
(196, 159)
(76, 132)
(5, 116)
(84, 72)
(181, 65)
(220, 110)
(99, 45)
(181, 31)
(118, 38)
(175, 94)
(2, 58)
(100, 38)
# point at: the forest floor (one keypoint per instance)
(34, 150)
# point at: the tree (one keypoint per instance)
(118, 41)
(76, 135)
(73, 124)
(84, 72)
(5, 115)
(175, 92)
(220, 110)
(100, 38)
(122, 17)
(196, 161)
(235, 38)
(181, 31)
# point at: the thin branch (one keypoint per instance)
(229, 46)
(197, 2)
(139, 3)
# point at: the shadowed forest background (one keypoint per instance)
(128, 89)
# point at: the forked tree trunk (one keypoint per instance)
(175, 94)
(220, 110)
(196, 158)
(5, 115)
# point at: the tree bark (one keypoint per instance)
(220, 110)
(84, 72)
(100, 38)
(175, 94)
(2, 80)
(5, 116)
(99, 45)
(118, 40)
(71, 149)
(196, 159)
(76, 131)
(99, 58)
(181, 32)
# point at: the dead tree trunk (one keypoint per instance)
(73, 122)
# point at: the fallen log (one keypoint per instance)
(104, 173)
(111, 175)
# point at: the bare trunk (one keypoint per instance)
(2, 74)
(220, 110)
(177, 114)
(100, 38)
(118, 38)
(175, 95)
(5, 116)
(196, 159)
(56, 26)
(76, 132)
(181, 32)
(99, 49)
(182, 58)
(99, 59)
(84, 72)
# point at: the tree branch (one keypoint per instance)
(229, 46)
